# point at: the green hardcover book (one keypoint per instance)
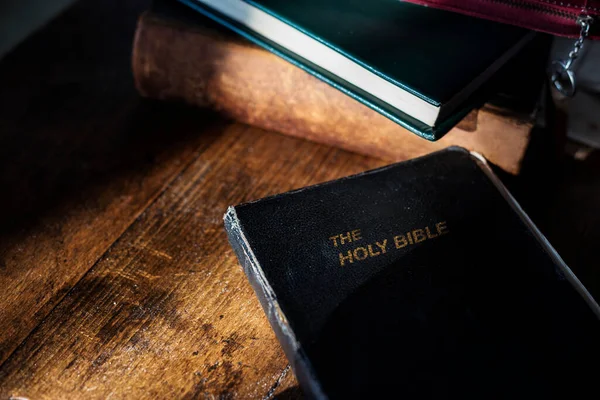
(423, 68)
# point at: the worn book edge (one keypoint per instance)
(268, 300)
(278, 320)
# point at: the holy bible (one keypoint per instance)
(423, 279)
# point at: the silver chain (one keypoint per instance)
(584, 21)
(563, 77)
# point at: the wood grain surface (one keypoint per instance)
(80, 157)
(167, 310)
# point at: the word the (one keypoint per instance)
(349, 237)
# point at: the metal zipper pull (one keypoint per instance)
(563, 77)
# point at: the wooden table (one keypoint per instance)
(117, 279)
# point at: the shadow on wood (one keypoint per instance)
(81, 156)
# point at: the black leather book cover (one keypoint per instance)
(422, 279)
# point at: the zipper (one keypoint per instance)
(561, 71)
(562, 75)
(537, 7)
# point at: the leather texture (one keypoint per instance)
(551, 16)
(393, 39)
(478, 309)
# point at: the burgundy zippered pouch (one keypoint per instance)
(550, 16)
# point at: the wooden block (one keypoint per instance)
(205, 67)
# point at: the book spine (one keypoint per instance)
(207, 68)
(290, 345)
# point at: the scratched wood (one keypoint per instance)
(167, 312)
(80, 158)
